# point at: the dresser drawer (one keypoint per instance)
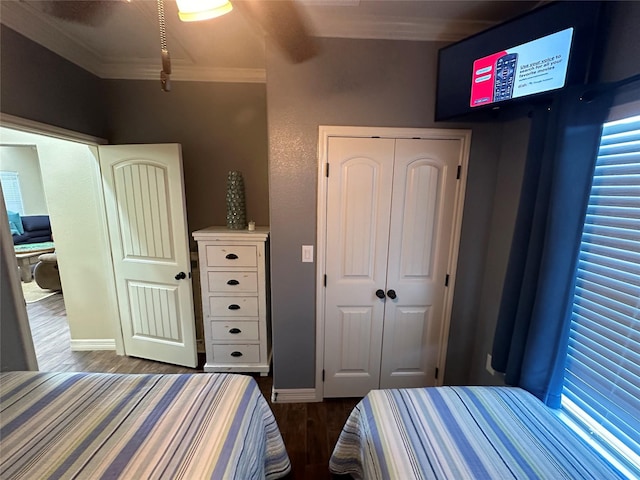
(230, 282)
(234, 331)
(232, 256)
(233, 306)
(236, 353)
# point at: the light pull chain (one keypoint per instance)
(165, 74)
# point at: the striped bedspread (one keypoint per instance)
(461, 433)
(99, 425)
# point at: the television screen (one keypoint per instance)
(542, 51)
(533, 67)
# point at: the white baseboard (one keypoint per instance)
(294, 395)
(89, 344)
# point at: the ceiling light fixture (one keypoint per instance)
(196, 10)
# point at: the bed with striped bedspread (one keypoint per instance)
(461, 433)
(100, 425)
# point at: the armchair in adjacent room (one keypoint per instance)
(46, 272)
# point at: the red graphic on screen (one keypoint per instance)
(483, 79)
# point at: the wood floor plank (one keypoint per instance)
(317, 439)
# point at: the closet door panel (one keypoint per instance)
(418, 219)
(421, 226)
(358, 210)
(410, 347)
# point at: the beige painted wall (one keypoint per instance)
(73, 189)
(24, 160)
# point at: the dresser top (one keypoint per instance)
(224, 233)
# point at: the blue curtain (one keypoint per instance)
(530, 342)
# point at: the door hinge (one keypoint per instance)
(325, 280)
(446, 280)
(327, 170)
(437, 371)
(459, 172)
(323, 374)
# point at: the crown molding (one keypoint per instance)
(396, 28)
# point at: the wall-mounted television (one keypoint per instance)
(539, 52)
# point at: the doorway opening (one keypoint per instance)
(60, 181)
(30, 225)
(81, 205)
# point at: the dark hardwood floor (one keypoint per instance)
(309, 430)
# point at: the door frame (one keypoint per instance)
(325, 132)
(43, 129)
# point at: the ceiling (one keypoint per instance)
(124, 41)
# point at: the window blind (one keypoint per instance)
(11, 192)
(602, 376)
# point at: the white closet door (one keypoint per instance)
(424, 190)
(358, 210)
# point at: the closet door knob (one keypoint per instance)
(231, 256)
(380, 293)
(181, 276)
(391, 294)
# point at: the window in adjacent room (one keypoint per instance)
(11, 192)
(602, 377)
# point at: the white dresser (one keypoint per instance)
(234, 282)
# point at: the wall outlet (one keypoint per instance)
(307, 253)
(488, 365)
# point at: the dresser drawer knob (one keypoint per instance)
(233, 282)
(235, 331)
(234, 306)
(231, 256)
(236, 354)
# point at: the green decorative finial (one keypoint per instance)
(236, 207)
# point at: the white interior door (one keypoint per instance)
(422, 212)
(146, 215)
(358, 209)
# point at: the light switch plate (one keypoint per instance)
(307, 253)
